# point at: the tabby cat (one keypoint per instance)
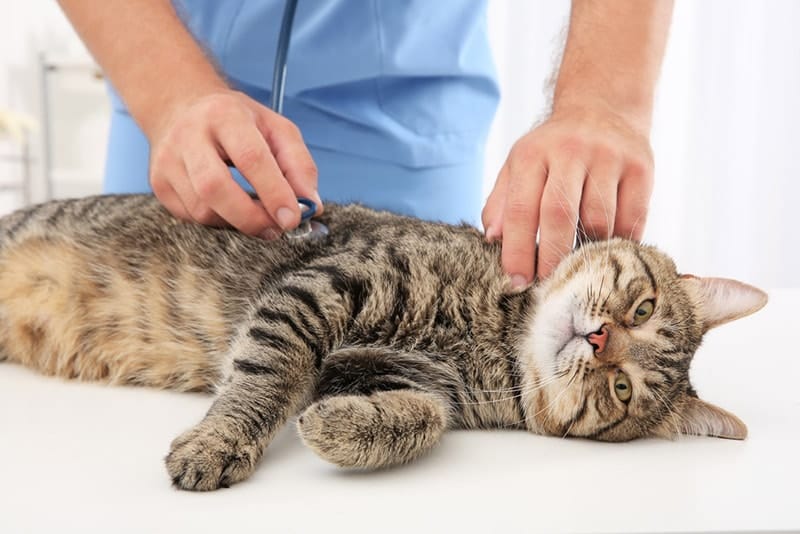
(381, 335)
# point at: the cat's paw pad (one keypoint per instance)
(207, 458)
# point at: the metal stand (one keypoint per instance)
(47, 67)
(25, 160)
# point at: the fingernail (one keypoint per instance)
(317, 199)
(491, 234)
(270, 234)
(518, 281)
(286, 218)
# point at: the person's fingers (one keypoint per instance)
(492, 215)
(290, 152)
(559, 213)
(171, 186)
(633, 199)
(214, 187)
(197, 210)
(599, 200)
(163, 168)
(166, 194)
(521, 218)
(248, 151)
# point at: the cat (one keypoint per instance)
(381, 335)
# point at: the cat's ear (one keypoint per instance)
(700, 418)
(720, 300)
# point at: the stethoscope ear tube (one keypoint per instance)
(308, 207)
(281, 53)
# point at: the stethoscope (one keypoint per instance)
(307, 227)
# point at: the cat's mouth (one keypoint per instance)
(568, 335)
(558, 333)
(571, 340)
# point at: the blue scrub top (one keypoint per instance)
(405, 88)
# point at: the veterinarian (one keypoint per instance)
(389, 102)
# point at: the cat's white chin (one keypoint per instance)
(556, 336)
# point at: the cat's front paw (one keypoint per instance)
(210, 457)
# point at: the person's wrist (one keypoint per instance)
(634, 110)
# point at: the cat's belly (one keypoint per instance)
(76, 314)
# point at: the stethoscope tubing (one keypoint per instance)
(278, 87)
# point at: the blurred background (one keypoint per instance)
(725, 133)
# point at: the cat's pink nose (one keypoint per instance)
(598, 339)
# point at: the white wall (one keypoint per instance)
(725, 130)
(725, 135)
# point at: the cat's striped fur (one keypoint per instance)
(382, 335)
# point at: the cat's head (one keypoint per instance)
(607, 352)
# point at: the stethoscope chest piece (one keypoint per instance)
(307, 229)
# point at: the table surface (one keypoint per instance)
(86, 457)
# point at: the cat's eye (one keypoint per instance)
(622, 387)
(643, 312)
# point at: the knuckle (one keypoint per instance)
(558, 213)
(282, 129)
(207, 185)
(595, 216)
(641, 167)
(291, 128)
(638, 211)
(217, 106)
(309, 170)
(606, 152)
(572, 145)
(160, 159)
(159, 184)
(250, 158)
(633, 222)
(518, 210)
(525, 154)
(596, 227)
(202, 213)
(285, 127)
(275, 194)
(182, 128)
(487, 213)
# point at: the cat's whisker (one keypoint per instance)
(580, 396)
(561, 393)
(573, 212)
(666, 402)
(635, 225)
(530, 388)
(524, 419)
(562, 374)
(609, 222)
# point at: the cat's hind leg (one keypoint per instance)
(382, 429)
(378, 406)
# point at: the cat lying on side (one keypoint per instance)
(381, 336)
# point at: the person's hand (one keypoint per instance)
(189, 175)
(591, 168)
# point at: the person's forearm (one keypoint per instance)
(150, 57)
(613, 56)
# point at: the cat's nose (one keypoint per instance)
(598, 339)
